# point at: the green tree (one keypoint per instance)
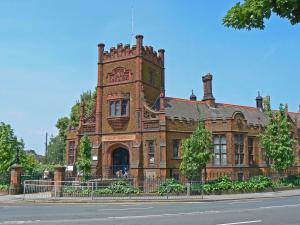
(56, 151)
(251, 13)
(28, 162)
(277, 140)
(196, 152)
(84, 162)
(9, 145)
(62, 125)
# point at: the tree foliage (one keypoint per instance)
(56, 151)
(277, 139)
(196, 152)
(9, 144)
(29, 162)
(62, 125)
(84, 162)
(251, 13)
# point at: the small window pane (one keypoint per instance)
(224, 159)
(223, 140)
(223, 149)
(217, 159)
(216, 140)
(112, 108)
(118, 108)
(217, 148)
(124, 107)
(175, 148)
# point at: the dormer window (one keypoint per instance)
(118, 107)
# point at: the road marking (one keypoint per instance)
(124, 209)
(161, 215)
(245, 222)
(20, 222)
(278, 206)
(242, 202)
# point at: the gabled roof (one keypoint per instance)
(195, 110)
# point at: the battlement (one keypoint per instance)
(126, 51)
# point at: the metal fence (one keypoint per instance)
(92, 190)
(132, 188)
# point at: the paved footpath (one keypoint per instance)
(13, 199)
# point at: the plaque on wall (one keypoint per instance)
(123, 137)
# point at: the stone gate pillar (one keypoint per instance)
(59, 176)
(15, 180)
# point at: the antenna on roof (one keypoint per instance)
(132, 35)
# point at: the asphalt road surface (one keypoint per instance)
(276, 211)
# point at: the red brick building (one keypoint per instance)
(137, 129)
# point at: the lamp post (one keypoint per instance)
(17, 160)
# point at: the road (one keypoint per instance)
(275, 211)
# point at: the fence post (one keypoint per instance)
(24, 190)
(92, 193)
(188, 188)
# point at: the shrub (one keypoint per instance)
(257, 183)
(123, 187)
(4, 187)
(170, 186)
(293, 179)
(103, 191)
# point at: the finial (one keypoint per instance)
(193, 97)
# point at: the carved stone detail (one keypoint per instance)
(118, 123)
(119, 75)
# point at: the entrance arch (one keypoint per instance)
(120, 160)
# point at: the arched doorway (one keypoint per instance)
(120, 161)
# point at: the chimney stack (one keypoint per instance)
(259, 102)
(207, 85)
(299, 109)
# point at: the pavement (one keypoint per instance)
(259, 211)
(19, 199)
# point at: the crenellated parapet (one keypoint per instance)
(152, 55)
(121, 52)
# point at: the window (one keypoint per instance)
(151, 149)
(71, 152)
(118, 107)
(265, 158)
(220, 150)
(239, 149)
(176, 149)
(250, 150)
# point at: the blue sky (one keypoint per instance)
(48, 55)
